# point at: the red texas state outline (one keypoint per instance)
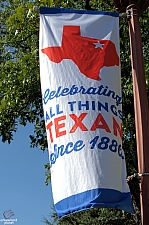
(89, 54)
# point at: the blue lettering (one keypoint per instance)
(105, 143)
(51, 114)
(93, 142)
(120, 150)
(104, 91)
(61, 150)
(78, 145)
(80, 105)
(58, 94)
(65, 92)
(113, 109)
(82, 90)
(70, 144)
(71, 105)
(101, 90)
(55, 151)
(58, 110)
(47, 117)
(74, 90)
(52, 95)
(109, 93)
(46, 96)
(118, 100)
(93, 105)
(91, 90)
(52, 159)
(120, 114)
(103, 106)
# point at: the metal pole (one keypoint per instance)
(141, 110)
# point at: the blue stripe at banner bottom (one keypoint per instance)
(96, 198)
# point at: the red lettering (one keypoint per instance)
(78, 122)
(58, 126)
(49, 128)
(116, 128)
(100, 123)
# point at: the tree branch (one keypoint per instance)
(87, 5)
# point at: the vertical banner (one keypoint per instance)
(81, 92)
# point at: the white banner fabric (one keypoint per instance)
(81, 92)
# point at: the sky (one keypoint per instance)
(22, 180)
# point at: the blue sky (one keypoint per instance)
(22, 180)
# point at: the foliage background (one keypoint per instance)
(20, 94)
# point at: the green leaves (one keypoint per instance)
(20, 94)
(20, 83)
(94, 217)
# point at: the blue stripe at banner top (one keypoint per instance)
(47, 10)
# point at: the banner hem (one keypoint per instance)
(48, 10)
(96, 198)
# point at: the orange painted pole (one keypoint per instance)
(141, 110)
